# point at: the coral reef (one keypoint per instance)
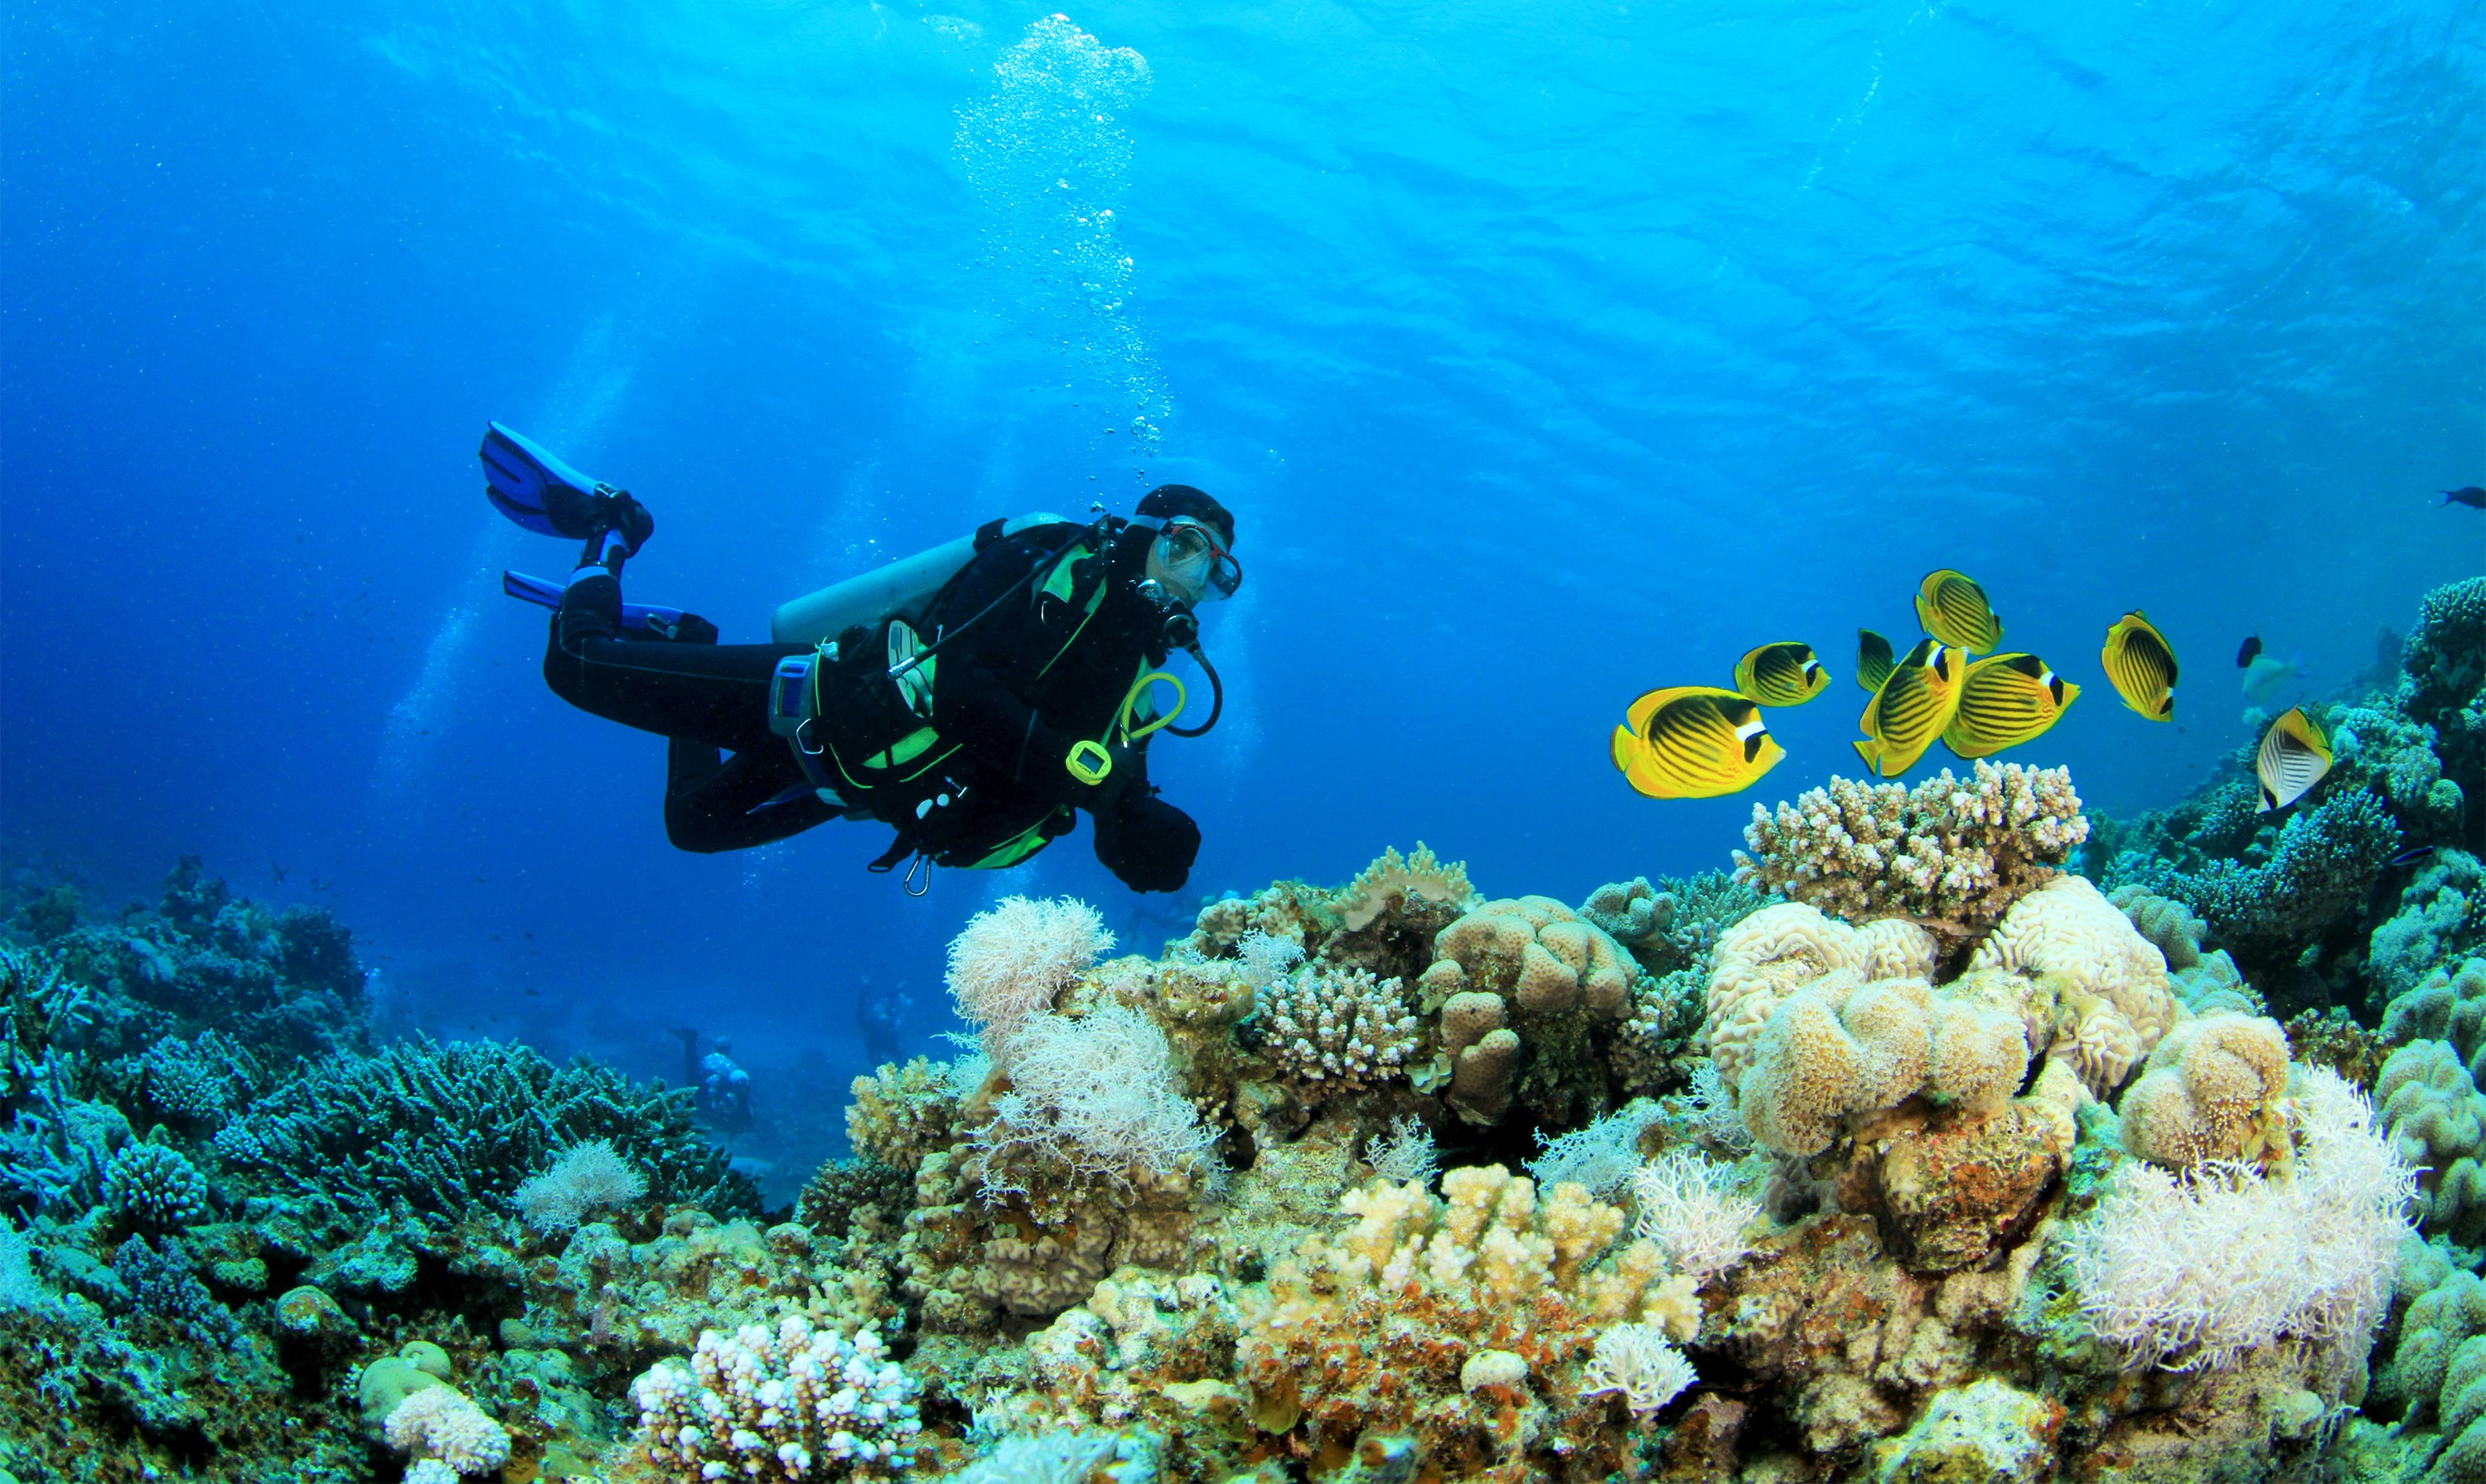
(1947, 1167)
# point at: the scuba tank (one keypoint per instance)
(902, 590)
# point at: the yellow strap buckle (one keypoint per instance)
(1089, 761)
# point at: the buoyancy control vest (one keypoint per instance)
(858, 711)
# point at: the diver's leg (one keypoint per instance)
(715, 695)
(726, 806)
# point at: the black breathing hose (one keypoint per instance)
(1216, 697)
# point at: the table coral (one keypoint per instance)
(1950, 853)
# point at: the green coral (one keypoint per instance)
(2319, 867)
(2442, 919)
(444, 1129)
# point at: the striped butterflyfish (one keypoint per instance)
(2006, 700)
(1694, 742)
(1874, 660)
(1953, 609)
(2141, 663)
(1912, 708)
(2294, 755)
(1781, 675)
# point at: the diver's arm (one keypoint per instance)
(973, 707)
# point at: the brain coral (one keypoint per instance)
(2210, 1090)
(1780, 949)
(1840, 1047)
(1951, 853)
(2108, 984)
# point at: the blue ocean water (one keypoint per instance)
(1546, 353)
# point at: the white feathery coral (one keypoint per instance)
(1099, 1093)
(2188, 1272)
(1639, 1361)
(1685, 1210)
(1602, 1156)
(1009, 961)
(1406, 1154)
(1265, 956)
(584, 1178)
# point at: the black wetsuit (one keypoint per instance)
(1016, 688)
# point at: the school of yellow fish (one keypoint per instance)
(1701, 742)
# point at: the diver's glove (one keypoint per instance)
(1148, 843)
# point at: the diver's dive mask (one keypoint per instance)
(1190, 555)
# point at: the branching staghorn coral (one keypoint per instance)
(2319, 869)
(444, 1129)
(1950, 853)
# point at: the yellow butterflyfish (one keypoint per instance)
(2141, 663)
(1694, 742)
(1912, 708)
(2006, 700)
(1781, 675)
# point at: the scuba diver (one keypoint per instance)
(973, 697)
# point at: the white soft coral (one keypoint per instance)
(2190, 1272)
(1011, 961)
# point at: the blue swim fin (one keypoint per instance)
(646, 617)
(530, 486)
